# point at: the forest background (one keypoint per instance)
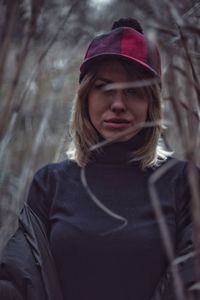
(42, 45)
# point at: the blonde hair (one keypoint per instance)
(84, 136)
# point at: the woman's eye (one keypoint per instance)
(103, 87)
(131, 91)
(99, 86)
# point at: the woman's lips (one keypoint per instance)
(117, 123)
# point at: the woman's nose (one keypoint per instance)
(118, 102)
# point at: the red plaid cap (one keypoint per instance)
(126, 43)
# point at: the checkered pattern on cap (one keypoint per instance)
(126, 43)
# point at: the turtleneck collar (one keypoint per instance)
(119, 152)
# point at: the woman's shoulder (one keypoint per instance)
(175, 171)
(182, 174)
(175, 165)
(171, 166)
(55, 169)
(48, 177)
(45, 184)
(181, 166)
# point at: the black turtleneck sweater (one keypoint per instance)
(112, 249)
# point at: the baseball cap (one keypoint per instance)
(124, 43)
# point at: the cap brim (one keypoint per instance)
(87, 63)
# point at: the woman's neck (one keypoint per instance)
(119, 152)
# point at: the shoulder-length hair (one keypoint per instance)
(84, 136)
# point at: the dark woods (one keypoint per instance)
(41, 49)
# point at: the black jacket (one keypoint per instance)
(27, 269)
(27, 255)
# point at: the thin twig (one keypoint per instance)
(8, 31)
(190, 62)
(103, 207)
(126, 132)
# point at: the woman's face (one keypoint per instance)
(116, 111)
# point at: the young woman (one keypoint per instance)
(89, 229)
